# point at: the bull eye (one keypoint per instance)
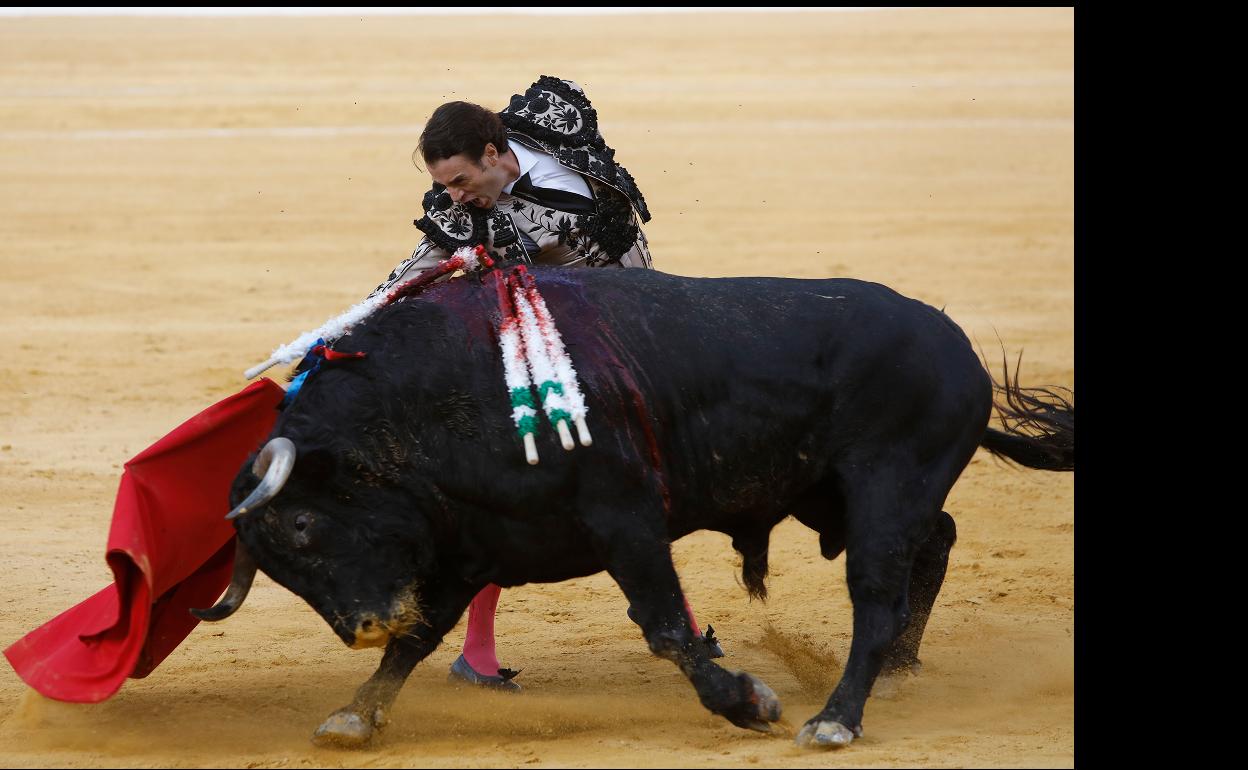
(302, 536)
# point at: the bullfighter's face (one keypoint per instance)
(475, 182)
(358, 570)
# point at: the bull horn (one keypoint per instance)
(240, 584)
(274, 463)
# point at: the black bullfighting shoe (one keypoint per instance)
(461, 671)
(712, 644)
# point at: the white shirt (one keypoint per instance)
(545, 171)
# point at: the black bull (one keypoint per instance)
(722, 404)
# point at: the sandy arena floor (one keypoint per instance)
(179, 196)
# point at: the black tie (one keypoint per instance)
(555, 199)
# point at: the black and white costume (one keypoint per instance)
(546, 216)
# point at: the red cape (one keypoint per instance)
(170, 549)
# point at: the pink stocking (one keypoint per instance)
(479, 639)
(692, 622)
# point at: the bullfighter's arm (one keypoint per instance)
(426, 255)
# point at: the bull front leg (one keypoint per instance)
(638, 557)
(355, 724)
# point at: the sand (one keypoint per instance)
(181, 195)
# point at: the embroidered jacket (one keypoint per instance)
(554, 117)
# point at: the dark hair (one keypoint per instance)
(457, 127)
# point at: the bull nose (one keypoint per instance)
(370, 632)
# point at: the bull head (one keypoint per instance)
(273, 465)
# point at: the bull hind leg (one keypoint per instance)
(887, 518)
(926, 577)
(635, 552)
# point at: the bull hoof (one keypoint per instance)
(761, 705)
(825, 735)
(343, 729)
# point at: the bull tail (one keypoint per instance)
(1038, 424)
